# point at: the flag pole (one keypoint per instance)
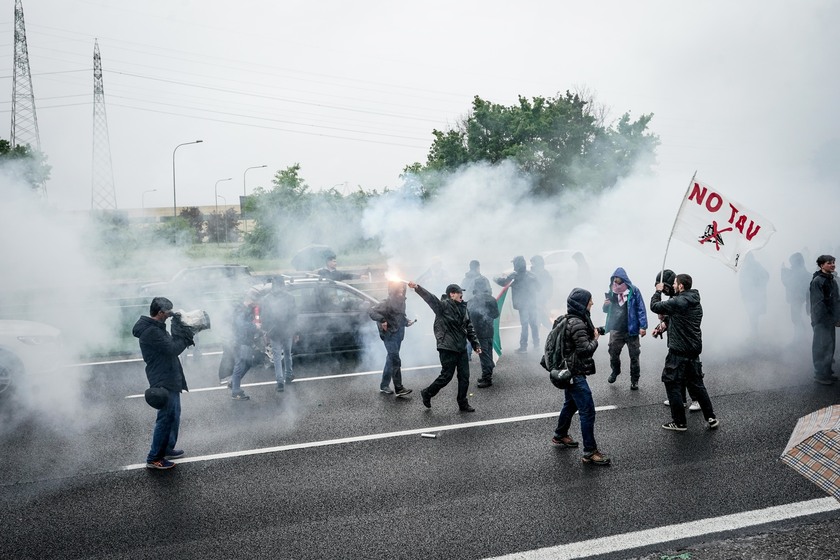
(673, 227)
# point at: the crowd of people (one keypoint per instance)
(464, 324)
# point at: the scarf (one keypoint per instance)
(621, 291)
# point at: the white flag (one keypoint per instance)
(720, 227)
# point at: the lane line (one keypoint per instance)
(369, 437)
(668, 533)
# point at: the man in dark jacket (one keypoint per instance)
(390, 315)
(685, 344)
(524, 288)
(331, 272)
(626, 323)
(246, 335)
(545, 291)
(452, 330)
(580, 341)
(160, 351)
(824, 298)
(278, 317)
(484, 310)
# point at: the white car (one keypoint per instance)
(26, 348)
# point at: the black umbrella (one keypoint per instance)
(312, 257)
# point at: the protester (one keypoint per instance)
(753, 279)
(452, 329)
(473, 274)
(579, 344)
(278, 319)
(824, 299)
(390, 315)
(524, 287)
(160, 352)
(546, 289)
(246, 333)
(685, 344)
(797, 281)
(668, 290)
(330, 271)
(483, 310)
(626, 323)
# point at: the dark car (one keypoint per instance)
(332, 318)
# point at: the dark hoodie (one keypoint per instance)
(824, 299)
(391, 309)
(525, 285)
(580, 341)
(483, 308)
(453, 327)
(684, 317)
(160, 352)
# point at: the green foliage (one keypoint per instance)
(558, 141)
(223, 227)
(33, 169)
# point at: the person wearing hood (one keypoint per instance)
(484, 310)
(824, 300)
(685, 344)
(544, 293)
(524, 289)
(453, 329)
(160, 351)
(580, 341)
(390, 315)
(626, 323)
(473, 274)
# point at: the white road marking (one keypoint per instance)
(369, 437)
(659, 535)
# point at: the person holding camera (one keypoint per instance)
(160, 351)
(579, 344)
(685, 344)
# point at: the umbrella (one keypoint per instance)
(311, 257)
(814, 449)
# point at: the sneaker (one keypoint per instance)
(427, 399)
(225, 381)
(484, 383)
(402, 392)
(175, 454)
(160, 464)
(240, 396)
(694, 406)
(596, 458)
(290, 378)
(713, 423)
(613, 377)
(668, 403)
(522, 350)
(824, 380)
(634, 385)
(280, 388)
(565, 441)
(675, 427)
(386, 391)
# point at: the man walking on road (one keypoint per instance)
(685, 343)
(160, 351)
(452, 330)
(825, 317)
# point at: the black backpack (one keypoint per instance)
(554, 359)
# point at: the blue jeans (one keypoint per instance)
(579, 399)
(393, 363)
(528, 318)
(165, 435)
(282, 368)
(240, 366)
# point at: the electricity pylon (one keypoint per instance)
(102, 195)
(24, 120)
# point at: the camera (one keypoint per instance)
(601, 330)
(195, 321)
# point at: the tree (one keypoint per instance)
(195, 219)
(222, 227)
(32, 169)
(561, 142)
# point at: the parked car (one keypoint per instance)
(332, 318)
(26, 348)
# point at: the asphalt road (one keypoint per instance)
(333, 469)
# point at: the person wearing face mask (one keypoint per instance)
(626, 323)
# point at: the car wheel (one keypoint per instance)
(10, 369)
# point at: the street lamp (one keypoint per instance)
(245, 192)
(143, 198)
(216, 192)
(174, 200)
(218, 196)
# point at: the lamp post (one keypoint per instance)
(174, 199)
(245, 192)
(218, 196)
(143, 198)
(216, 192)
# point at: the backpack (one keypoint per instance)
(554, 359)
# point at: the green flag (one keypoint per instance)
(500, 302)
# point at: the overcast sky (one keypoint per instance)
(741, 91)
